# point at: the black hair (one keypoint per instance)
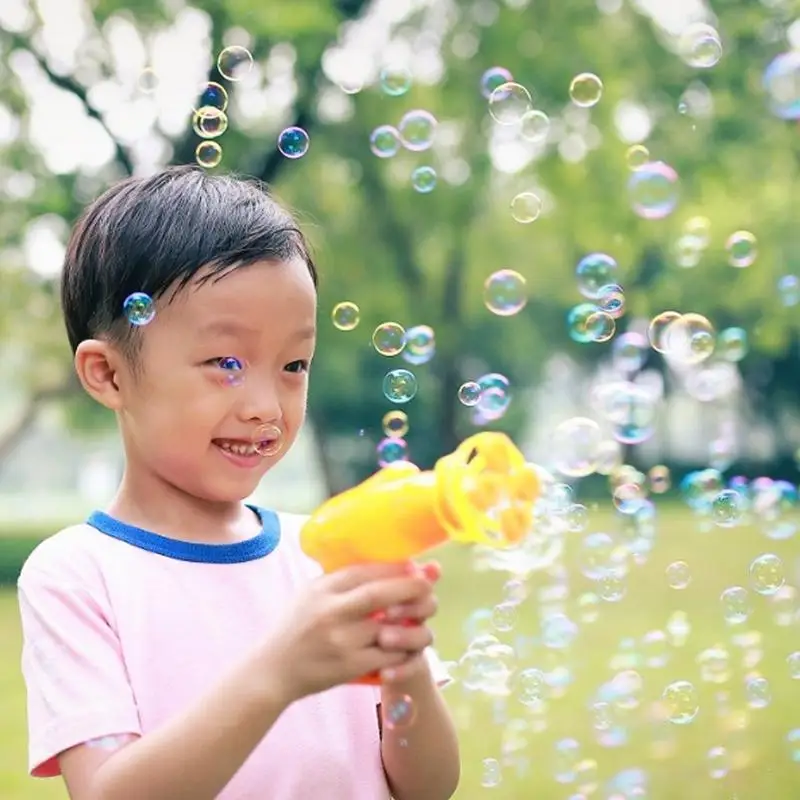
(154, 234)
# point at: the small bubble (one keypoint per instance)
(395, 424)
(492, 78)
(399, 712)
(345, 316)
(653, 190)
(268, 440)
(681, 702)
(293, 142)
(700, 46)
(526, 208)
(423, 179)
(139, 308)
(395, 80)
(212, 95)
(399, 386)
(637, 156)
(586, 90)
(742, 248)
(469, 393)
(417, 129)
(505, 293)
(719, 763)
(389, 339)
(208, 154)
(535, 126)
(594, 272)
(736, 607)
(491, 773)
(678, 575)
(390, 450)
(209, 122)
(234, 63)
(509, 102)
(767, 574)
(384, 141)
(148, 81)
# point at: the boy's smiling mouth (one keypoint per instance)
(239, 447)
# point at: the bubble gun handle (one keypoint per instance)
(482, 493)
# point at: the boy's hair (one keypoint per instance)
(154, 234)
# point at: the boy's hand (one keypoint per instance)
(402, 630)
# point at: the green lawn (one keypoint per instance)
(673, 757)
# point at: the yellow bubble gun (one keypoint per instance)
(482, 493)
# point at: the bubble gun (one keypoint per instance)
(481, 493)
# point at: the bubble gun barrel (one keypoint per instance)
(482, 493)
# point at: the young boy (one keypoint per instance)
(180, 644)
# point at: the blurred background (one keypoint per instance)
(575, 222)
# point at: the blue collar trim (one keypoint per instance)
(233, 553)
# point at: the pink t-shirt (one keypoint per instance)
(123, 629)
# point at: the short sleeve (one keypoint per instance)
(73, 666)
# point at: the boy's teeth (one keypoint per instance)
(238, 448)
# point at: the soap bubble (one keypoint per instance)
(148, 81)
(398, 712)
(346, 316)
(657, 329)
(727, 508)
(689, 339)
(653, 190)
(420, 345)
(526, 207)
(782, 84)
(637, 156)
(681, 702)
(494, 77)
(234, 63)
(384, 141)
(208, 154)
(212, 95)
(719, 763)
(417, 129)
(395, 80)
(599, 556)
(293, 142)
(767, 574)
(789, 290)
(586, 90)
(504, 616)
(659, 477)
(700, 46)
(742, 249)
(758, 692)
(391, 449)
(509, 103)
(469, 393)
(736, 607)
(611, 299)
(209, 122)
(505, 293)
(579, 319)
(139, 309)
(395, 424)
(793, 662)
(732, 344)
(534, 126)
(389, 339)
(576, 446)
(423, 179)
(594, 272)
(495, 395)
(491, 773)
(679, 575)
(399, 386)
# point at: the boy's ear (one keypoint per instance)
(97, 363)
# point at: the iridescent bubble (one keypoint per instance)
(505, 293)
(681, 702)
(700, 46)
(757, 692)
(495, 396)
(398, 712)
(526, 207)
(395, 80)
(793, 662)
(653, 190)
(679, 576)
(558, 632)
(588, 607)
(233, 370)
(389, 339)
(509, 102)
(469, 393)
(655, 649)
(612, 588)
(594, 272)
(637, 156)
(531, 686)
(420, 345)
(719, 763)
(235, 63)
(742, 249)
(534, 126)
(728, 508)
(789, 290)
(504, 616)
(658, 327)
(576, 446)
(736, 607)
(494, 77)
(384, 141)
(423, 179)
(293, 142)
(611, 299)
(208, 154)
(782, 85)
(601, 326)
(139, 309)
(732, 344)
(399, 386)
(586, 90)
(346, 316)
(491, 773)
(629, 355)
(268, 440)
(578, 322)
(209, 122)
(567, 756)
(793, 743)
(659, 477)
(212, 95)
(395, 424)
(690, 339)
(767, 574)
(417, 129)
(577, 517)
(392, 449)
(628, 498)
(599, 555)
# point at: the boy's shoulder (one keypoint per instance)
(66, 553)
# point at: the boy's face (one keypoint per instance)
(189, 416)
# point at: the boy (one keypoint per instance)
(180, 644)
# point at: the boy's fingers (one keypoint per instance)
(382, 594)
(347, 578)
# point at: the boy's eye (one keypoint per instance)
(229, 363)
(297, 366)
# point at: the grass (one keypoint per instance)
(673, 757)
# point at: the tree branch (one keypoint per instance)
(69, 84)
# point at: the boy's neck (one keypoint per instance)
(167, 511)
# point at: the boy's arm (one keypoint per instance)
(422, 760)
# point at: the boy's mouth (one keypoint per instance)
(239, 447)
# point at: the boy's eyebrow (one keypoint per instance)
(230, 327)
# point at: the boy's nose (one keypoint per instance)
(260, 403)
